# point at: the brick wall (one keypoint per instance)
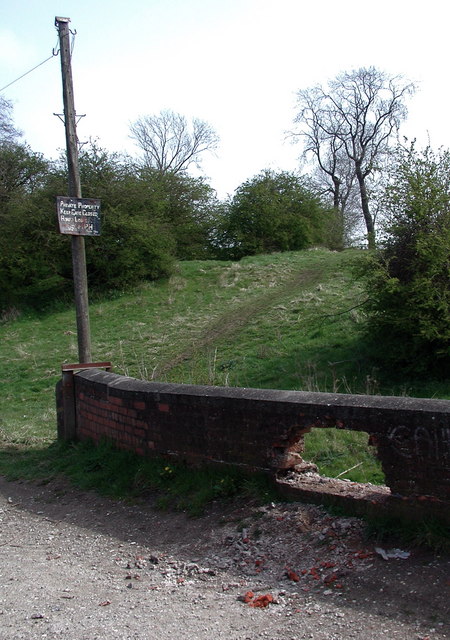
(258, 429)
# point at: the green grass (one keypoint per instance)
(124, 475)
(343, 454)
(283, 321)
(391, 532)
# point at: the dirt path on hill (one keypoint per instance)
(240, 315)
(76, 566)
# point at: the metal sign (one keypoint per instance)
(78, 216)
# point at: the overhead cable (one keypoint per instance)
(54, 53)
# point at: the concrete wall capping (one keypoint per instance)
(271, 395)
(258, 428)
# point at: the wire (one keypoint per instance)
(72, 44)
(54, 53)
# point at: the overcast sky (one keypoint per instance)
(237, 64)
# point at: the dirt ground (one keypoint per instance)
(81, 567)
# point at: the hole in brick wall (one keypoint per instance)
(336, 451)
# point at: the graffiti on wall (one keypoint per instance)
(423, 442)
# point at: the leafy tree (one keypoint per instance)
(408, 281)
(21, 172)
(148, 219)
(273, 212)
(171, 144)
(349, 125)
(181, 204)
(187, 206)
(135, 243)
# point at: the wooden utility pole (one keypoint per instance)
(78, 248)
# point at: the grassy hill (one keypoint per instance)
(285, 321)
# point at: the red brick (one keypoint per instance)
(115, 400)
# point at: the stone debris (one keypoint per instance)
(257, 602)
(285, 571)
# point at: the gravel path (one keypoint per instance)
(81, 567)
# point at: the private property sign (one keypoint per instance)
(78, 216)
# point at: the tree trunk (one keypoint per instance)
(336, 192)
(365, 208)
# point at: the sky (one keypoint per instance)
(238, 64)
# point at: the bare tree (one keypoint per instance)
(327, 150)
(169, 143)
(8, 132)
(343, 195)
(333, 174)
(349, 125)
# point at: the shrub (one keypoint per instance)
(273, 212)
(408, 280)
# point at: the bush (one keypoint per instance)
(408, 280)
(35, 260)
(130, 249)
(273, 212)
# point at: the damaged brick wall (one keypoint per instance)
(258, 429)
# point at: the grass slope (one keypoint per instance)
(286, 321)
